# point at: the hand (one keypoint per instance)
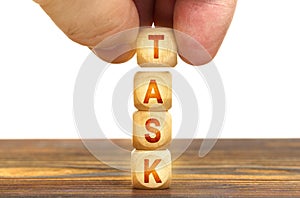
(90, 22)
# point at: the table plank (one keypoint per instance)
(238, 168)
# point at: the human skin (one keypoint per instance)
(88, 22)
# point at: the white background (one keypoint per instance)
(258, 61)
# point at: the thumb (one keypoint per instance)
(90, 22)
(206, 21)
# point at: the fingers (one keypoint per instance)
(164, 11)
(207, 22)
(90, 22)
(145, 9)
(158, 11)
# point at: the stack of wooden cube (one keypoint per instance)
(152, 124)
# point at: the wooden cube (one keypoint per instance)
(153, 91)
(156, 47)
(151, 169)
(151, 130)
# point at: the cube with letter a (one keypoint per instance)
(153, 91)
(151, 169)
(156, 47)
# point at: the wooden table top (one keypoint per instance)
(245, 168)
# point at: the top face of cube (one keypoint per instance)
(156, 47)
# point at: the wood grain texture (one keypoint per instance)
(156, 47)
(237, 168)
(160, 83)
(158, 127)
(159, 177)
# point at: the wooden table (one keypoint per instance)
(246, 168)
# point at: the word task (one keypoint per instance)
(151, 163)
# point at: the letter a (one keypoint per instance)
(153, 86)
(152, 130)
(151, 170)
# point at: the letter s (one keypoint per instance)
(152, 130)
